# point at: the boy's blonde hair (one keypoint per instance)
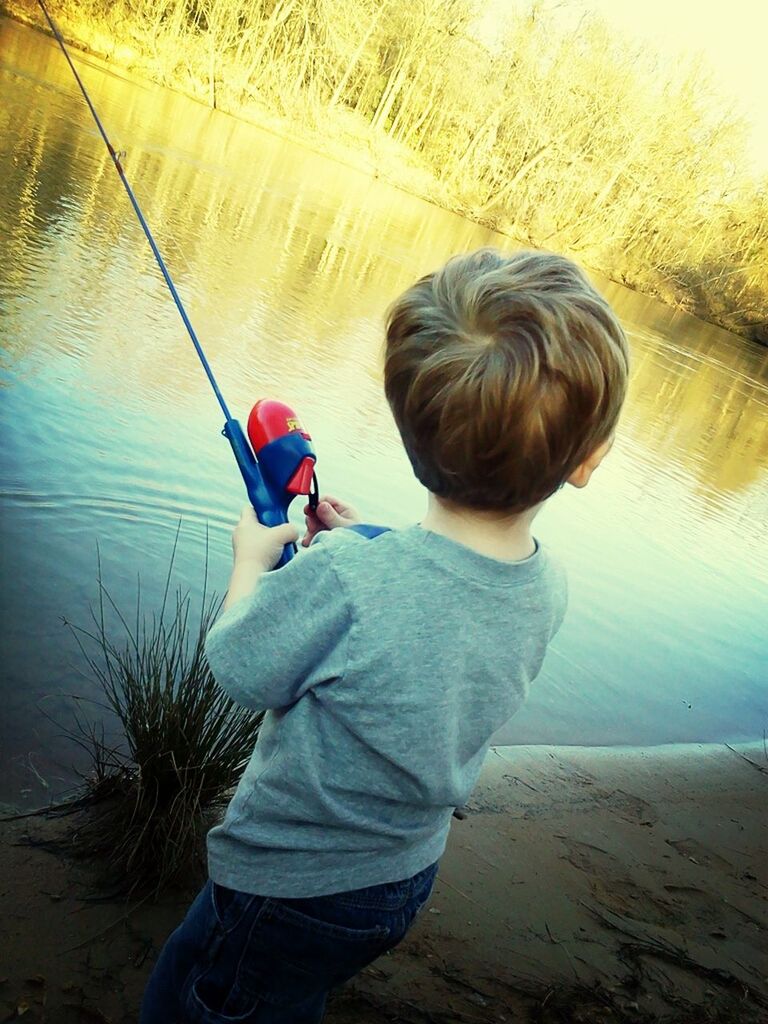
(504, 372)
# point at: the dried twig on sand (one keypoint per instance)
(755, 764)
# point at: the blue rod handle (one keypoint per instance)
(269, 510)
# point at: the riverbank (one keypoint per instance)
(641, 250)
(584, 885)
(336, 134)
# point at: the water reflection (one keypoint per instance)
(286, 262)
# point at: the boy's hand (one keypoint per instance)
(257, 549)
(260, 545)
(329, 514)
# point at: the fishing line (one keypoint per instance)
(279, 463)
(134, 202)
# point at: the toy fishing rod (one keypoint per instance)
(279, 462)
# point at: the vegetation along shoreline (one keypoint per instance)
(560, 138)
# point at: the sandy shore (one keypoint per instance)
(583, 885)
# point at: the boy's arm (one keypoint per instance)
(281, 632)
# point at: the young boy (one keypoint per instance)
(386, 664)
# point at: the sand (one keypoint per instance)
(583, 885)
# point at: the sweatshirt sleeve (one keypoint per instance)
(289, 635)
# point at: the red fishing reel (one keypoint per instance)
(278, 464)
(283, 450)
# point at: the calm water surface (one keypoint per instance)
(286, 262)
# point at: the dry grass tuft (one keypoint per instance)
(183, 745)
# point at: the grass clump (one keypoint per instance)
(184, 743)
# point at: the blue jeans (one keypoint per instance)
(257, 960)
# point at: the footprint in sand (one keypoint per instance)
(698, 854)
(632, 808)
(614, 889)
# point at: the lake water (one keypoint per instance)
(286, 262)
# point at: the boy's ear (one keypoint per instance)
(580, 477)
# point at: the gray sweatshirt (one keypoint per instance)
(386, 665)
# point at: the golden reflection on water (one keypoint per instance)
(689, 406)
